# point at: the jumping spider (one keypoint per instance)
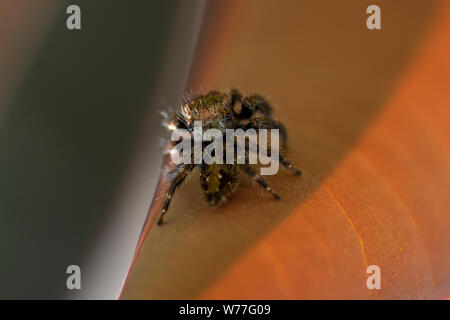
(223, 111)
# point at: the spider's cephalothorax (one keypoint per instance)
(222, 111)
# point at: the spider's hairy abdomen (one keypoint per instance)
(218, 182)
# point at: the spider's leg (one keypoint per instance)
(268, 123)
(288, 165)
(260, 181)
(241, 108)
(258, 103)
(236, 96)
(176, 182)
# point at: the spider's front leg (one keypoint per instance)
(183, 172)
